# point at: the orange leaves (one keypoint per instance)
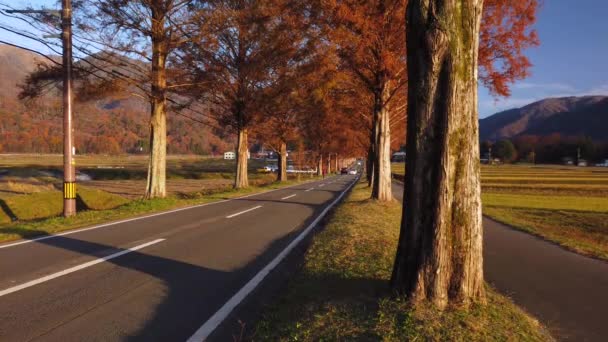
(506, 31)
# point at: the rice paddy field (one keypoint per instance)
(30, 184)
(564, 204)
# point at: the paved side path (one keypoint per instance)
(566, 291)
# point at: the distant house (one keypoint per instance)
(231, 155)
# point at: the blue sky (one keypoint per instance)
(572, 59)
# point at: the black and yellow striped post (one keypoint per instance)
(69, 190)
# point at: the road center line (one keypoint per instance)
(288, 197)
(309, 190)
(321, 185)
(75, 268)
(244, 211)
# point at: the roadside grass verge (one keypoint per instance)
(95, 199)
(34, 206)
(342, 293)
(30, 229)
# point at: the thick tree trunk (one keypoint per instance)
(282, 172)
(241, 180)
(381, 187)
(329, 164)
(156, 180)
(371, 156)
(439, 257)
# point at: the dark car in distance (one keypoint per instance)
(344, 171)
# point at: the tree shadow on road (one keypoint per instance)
(190, 292)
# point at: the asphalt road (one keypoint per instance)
(160, 278)
(567, 292)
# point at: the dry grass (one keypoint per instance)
(572, 203)
(566, 205)
(341, 294)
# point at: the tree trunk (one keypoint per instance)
(282, 172)
(156, 181)
(381, 187)
(371, 156)
(241, 180)
(329, 164)
(439, 257)
(320, 166)
(337, 163)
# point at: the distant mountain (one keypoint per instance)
(15, 64)
(567, 116)
(117, 124)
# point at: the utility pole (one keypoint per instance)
(69, 174)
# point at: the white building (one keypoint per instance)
(229, 155)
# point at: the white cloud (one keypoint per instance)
(599, 90)
(556, 86)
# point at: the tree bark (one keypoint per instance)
(282, 172)
(320, 166)
(337, 164)
(371, 157)
(381, 187)
(329, 164)
(156, 180)
(439, 256)
(241, 180)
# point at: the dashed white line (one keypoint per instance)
(244, 211)
(75, 268)
(309, 190)
(115, 223)
(321, 185)
(209, 326)
(288, 197)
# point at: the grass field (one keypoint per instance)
(567, 205)
(341, 293)
(30, 185)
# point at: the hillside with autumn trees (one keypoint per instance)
(112, 125)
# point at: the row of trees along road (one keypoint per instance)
(331, 77)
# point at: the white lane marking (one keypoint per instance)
(309, 190)
(75, 268)
(138, 218)
(207, 328)
(321, 185)
(244, 211)
(288, 197)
